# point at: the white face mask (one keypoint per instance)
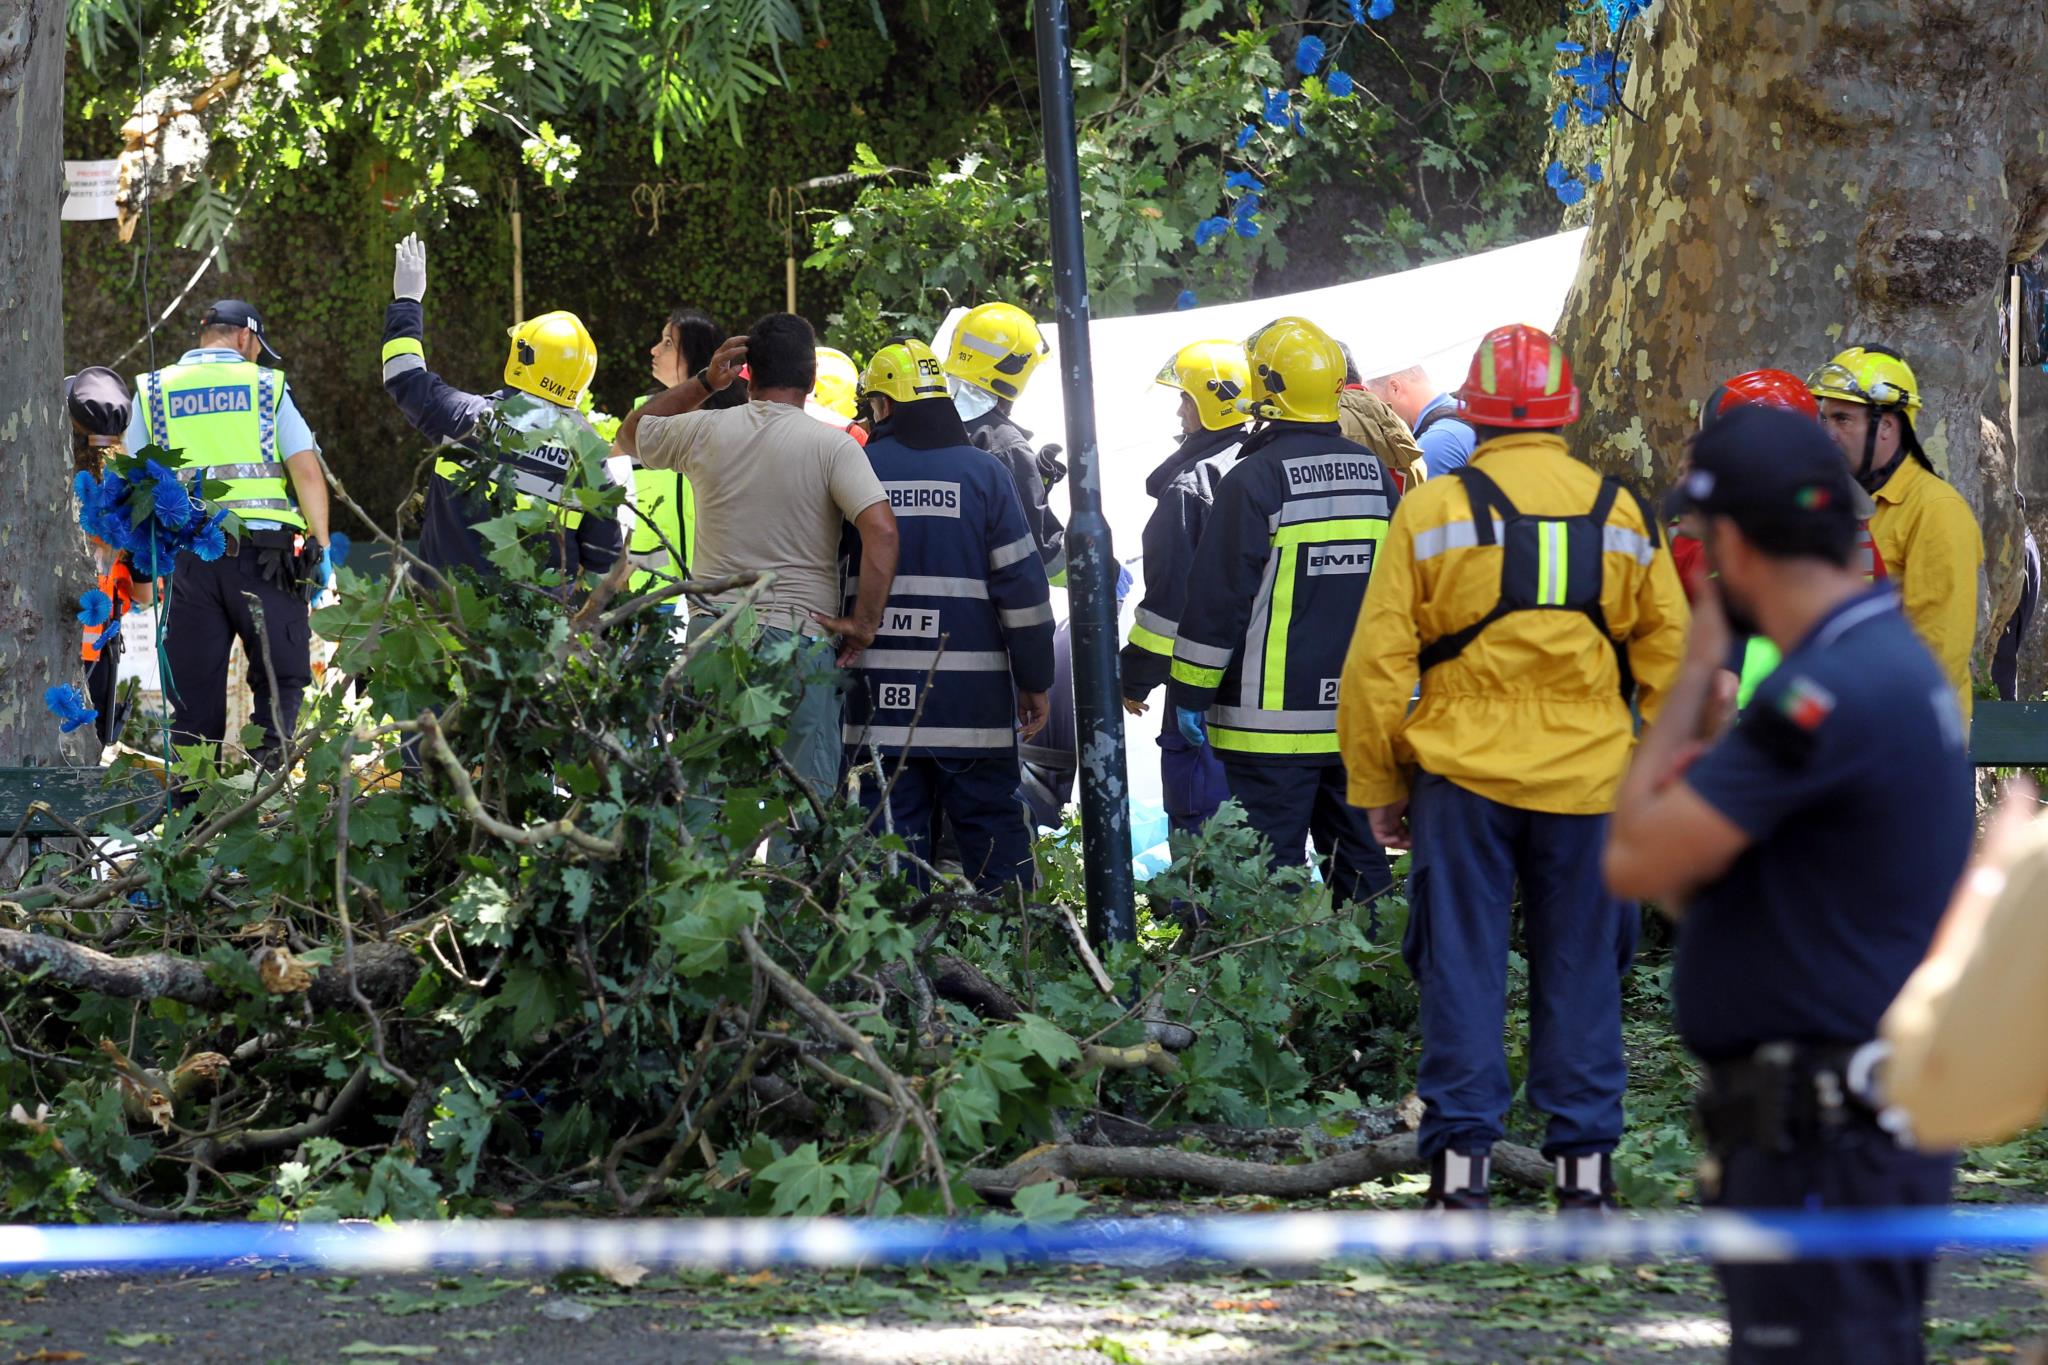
(969, 401)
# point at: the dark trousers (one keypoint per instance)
(1293, 803)
(100, 676)
(1191, 783)
(1469, 854)
(979, 798)
(208, 609)
(1830, 1312)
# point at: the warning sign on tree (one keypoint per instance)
(89, 189)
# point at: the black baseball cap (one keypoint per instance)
(236, 313)
(1768, 467)
(98, 401)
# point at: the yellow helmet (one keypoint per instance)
(552, 357)
(1868, 375)
(996, 347)
(904, 371)
(837, 388)
(1214, 374)
(1297, 371)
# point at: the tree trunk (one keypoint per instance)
(1810, 175)
(42, 554)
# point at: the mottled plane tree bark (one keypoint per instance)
(42, 554)
(1802, 175)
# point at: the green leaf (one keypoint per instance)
(138, 1338)
(1044, 1202)
(801, 1183)
(371, 1348)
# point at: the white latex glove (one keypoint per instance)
(409, 276)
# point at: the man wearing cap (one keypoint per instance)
(1806, 891)
(233, 423)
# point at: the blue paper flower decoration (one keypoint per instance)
(1185, 301)
(338, 546)
(1209, 229)
(1357, 11)
(1340, 85)
(1382, 9)
(1246, 134)
(1554, 174)
(1595, 174)
(107, 636)
(68, 707)
(1571, 192)
(1308, 55)
(1242, 180)
(1276, 108)
(95, 608)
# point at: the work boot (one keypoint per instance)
(1585, 1184)
(1458, 1180)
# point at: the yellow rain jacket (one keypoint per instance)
(1531, 714)
(1932, 548)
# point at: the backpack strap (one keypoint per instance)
(1603, 507)
(1486, 498)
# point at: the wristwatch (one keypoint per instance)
(703, 377)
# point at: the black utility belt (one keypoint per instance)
(1786, 1095)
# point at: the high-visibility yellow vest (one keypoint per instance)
(221, 416)
(540, 473)
(664, 523)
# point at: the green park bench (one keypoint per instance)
(55, 803)
(2009, 734)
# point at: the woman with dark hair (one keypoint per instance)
(99, 407)
(687, 341)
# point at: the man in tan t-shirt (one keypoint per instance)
(774, 487)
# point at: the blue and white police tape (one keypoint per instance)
(1260, 1239)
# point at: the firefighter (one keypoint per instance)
(1922, 529)
(963, 660)
(1289, 546)
(1532, 600)
(1212, 378)
(531, 428)
(994, 350)
(835, 396)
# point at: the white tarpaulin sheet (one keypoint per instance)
(1433, 316)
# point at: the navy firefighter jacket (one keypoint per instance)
(443, 413)
(969, 620)
(1275, 591)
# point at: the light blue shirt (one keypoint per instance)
(293, 435)
(1450, 442)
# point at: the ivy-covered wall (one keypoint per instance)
(317, 259)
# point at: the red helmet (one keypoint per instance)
(1519, 378)
(1768, 388)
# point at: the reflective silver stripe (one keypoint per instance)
(1016, 618)
(260, 504)
(1341, 506)
(952, 661)
(934, 736)
(1201, 655)
(269, 470)
(1157, 624)
(399, 364)
(1003, 556)
(1290, 722)
(925, 585)
(1252, 672)
(1622, 541)
(1452, 535)
(1058, 565)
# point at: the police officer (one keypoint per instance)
(1532, 599)
(530, 429)
(994, 350)
(963, 659)
(1288, 549)
(1807, 889)
(234, 419)
(1212, 377)
(1925, 533)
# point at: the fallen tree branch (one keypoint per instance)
(436, 744)
(966, 984)
(1395, 1155)
(386, 971)
(826, 1019)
